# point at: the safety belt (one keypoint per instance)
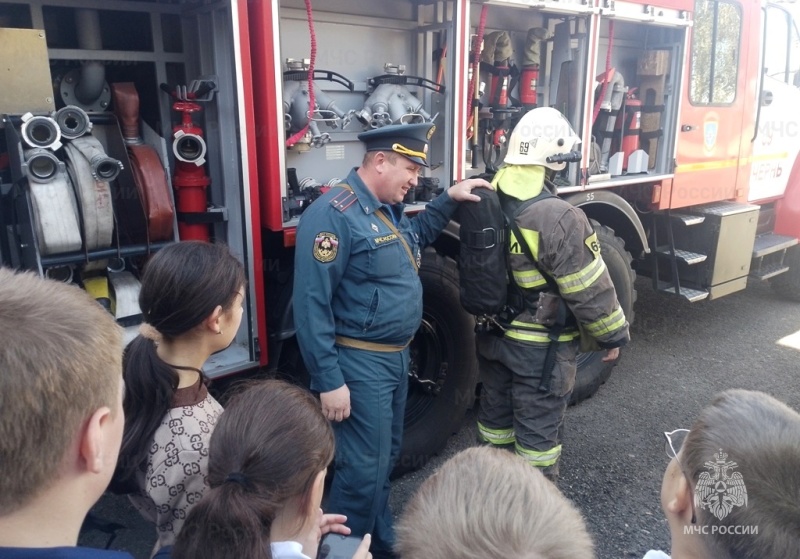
(148, 171)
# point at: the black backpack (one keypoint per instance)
(483, 255)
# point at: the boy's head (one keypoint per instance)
(487, 503)
(742, 456)
(60, 391)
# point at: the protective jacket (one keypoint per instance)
(565, 248)
(356, 279)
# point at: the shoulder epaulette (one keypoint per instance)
(345, 198)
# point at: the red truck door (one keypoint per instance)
(715, 117)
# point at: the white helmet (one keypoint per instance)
(541, 134)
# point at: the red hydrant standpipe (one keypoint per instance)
(190, 180)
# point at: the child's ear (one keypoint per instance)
(680, 501)
(212, 322)
(317, 490)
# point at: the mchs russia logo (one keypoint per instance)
(720, 488)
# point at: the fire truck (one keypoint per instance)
(131, 124)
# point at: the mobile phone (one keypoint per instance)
(337, 546)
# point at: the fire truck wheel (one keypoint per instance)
(788, 283)
(592, 371)
(444, 368)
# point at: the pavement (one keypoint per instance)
(680, 355)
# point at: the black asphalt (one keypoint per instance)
(681, 354)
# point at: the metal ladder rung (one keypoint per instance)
(768, 244)
(692, 295)
(685, 256)
(769, 271)
(687, 219)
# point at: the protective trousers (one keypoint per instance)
(368, 442)
(513, 408)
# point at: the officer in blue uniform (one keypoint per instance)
(357, 305)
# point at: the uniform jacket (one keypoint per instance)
(354, 278)
(564, 246)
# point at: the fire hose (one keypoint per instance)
(90, 171)
(148, 171)
(55, 212)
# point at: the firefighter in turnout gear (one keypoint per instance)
(559, 289)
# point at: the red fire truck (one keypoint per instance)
(224, 119)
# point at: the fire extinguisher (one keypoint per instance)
(190, 180)
(528, 81)
(629, 126)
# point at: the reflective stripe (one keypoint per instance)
(614, 321)
(539, 459)
(528, 336)
(529, 278)
(496, 436)
(532, 238)
(529, 236)
(583, 279)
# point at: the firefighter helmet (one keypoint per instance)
(542, 134)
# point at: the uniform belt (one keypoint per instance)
(344, 341)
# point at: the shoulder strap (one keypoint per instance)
(385, 218)
(510, 212)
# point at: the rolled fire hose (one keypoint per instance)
(148, 172)
(73, 122)
(90, 170)
(40, 132)
(60, 273)
(55, 212)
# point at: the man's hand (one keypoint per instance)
(336, 403)
(462, 191)
(611, 355)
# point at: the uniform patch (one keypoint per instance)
(326, 246)
(430, 132)
(593, 244)
(383, 239)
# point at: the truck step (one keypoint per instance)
(685, 256)
(767, 272)
(692, 295)
(769, 243)
(687, 219)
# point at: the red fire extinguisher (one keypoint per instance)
(527, 86)
(628, 126)
(190, 180)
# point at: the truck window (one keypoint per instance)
(778, 44)
(715, 52)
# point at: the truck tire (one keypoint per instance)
(444, 367)
(592, 371)
(788, 283)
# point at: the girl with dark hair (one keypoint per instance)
(191, 300)
(266, 471)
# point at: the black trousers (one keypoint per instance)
(513, 410)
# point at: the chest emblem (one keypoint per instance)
(326, 246)
(374, 227)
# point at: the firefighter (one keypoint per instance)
(357, 305)
(559, 286)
